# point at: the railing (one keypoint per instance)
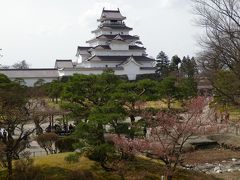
(38, 153)
(32, 154)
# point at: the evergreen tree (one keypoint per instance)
(187, 88)
(174, 66)
(54, 90)
(188, 67)
(131, 95)
(175, 61)
(162, 64)
(168, 90)
(88, 97)
(14, 116)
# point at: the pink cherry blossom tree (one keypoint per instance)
(168, 133)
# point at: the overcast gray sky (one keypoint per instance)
(41, 31)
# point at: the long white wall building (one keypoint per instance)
(111, 47)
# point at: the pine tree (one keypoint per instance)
(174, 66)
(188, 67)
(162, 64)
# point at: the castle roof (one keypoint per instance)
(120, 58)
(111, 37)
(112, 27)
(111, 15)
(63, 63)
(103, 47)
(83, 50)
(31, 73)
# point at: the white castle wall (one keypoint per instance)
(112, 32)
(30, 81)
(110, 64)
(97, 42)
(130, 69)
(131, 72)
(119, 46)
(98, 64)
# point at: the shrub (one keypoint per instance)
(122, 128)
(147, 76)
(66, 144)
(72, 158)
(103, 154)
(25, 170)
(46, 141)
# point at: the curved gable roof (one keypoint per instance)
(111, 15)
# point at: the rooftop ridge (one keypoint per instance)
(111, 15)
(30, 69)
(111, 10)
(63, 59)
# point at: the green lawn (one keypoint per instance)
(234, 113)
(162, 105)
(55, 167)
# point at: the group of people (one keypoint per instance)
(61, 130)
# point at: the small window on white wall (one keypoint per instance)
(121, 32)
(110, 32)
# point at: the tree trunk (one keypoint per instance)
(169, 172)
(45, 150)
(145, 131)
(169, 104)
(132, 131)
(101, 133)
(39, 129)
(9, 164)
(132, 118)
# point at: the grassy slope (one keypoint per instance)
(55, 167)
(234, 111)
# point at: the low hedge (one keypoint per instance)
(65, 144)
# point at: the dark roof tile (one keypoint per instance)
(148, 68)
(101, 47)
(108, 47)
(111, 37)
(136, 47)
(111, 15)
(82, 48)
